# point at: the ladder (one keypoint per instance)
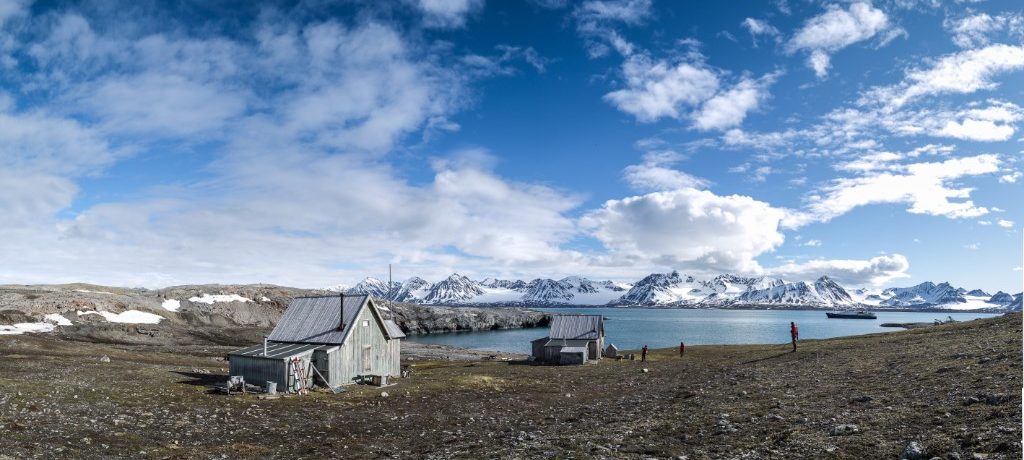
(299, 374)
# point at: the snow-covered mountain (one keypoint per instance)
(927, 293)
(1001, 298)
(676, 290)
(823, 292)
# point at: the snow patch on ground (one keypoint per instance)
(497, 295)
(973, 303)
(171, 304)
(264, 299)
(21, 328)
(57, 318)
(94, 292)
(210, 299)
(128, 317)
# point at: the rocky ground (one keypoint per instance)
(949, 391)
(196, 319)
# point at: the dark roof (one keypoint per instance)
(577, 327)
(276, 350)
(568, 342)
(316, 319)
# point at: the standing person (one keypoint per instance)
(682, 348)
(794, 332)
(643, 354)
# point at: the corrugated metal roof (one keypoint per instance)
(573, 350)
(577, 326)
(316, 319)
(276, 350)
(392, 329)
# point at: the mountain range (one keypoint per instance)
(677, 290)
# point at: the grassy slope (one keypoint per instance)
(59, 400)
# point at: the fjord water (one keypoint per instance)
(632, 328)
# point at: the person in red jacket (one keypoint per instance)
(682, 348)
(794, 332)
(643, 354)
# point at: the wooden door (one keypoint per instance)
(367, 359)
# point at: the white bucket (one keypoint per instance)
(271, 388)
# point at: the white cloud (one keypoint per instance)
(977, 130)
(729, 107)
(447, 13)
(760, 27)
(654, 174)
(976, 29)
(923, 186)
(871, 162)
(812, 243)
(1011, 178)
(631, 12)
(596, 21)
(876, 271)
(163, 105)
(660, 88)
(1005, 223)
(688, 227)
(972, 246)
(657, 89)
(959, 73)
(836, 29)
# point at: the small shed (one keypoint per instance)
(568, 334)
(329, 340)
(611, 351)
(572, 355)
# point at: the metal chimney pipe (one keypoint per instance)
(341, 306)
(264, 345)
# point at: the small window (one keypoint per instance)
(366, 322)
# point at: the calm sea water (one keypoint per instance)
(632, 328)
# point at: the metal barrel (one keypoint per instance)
(271, 388)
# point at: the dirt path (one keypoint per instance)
(953, 389)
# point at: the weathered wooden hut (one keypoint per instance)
(573, 339)
(328, 340)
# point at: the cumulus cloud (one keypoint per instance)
(925, 187)
(658, 88)
(1005, 223)
(876, 271)
(688, 228)
(686, 88)
(835, 29)
(447, 13)
(728, 108)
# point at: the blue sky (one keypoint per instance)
(312, 143)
